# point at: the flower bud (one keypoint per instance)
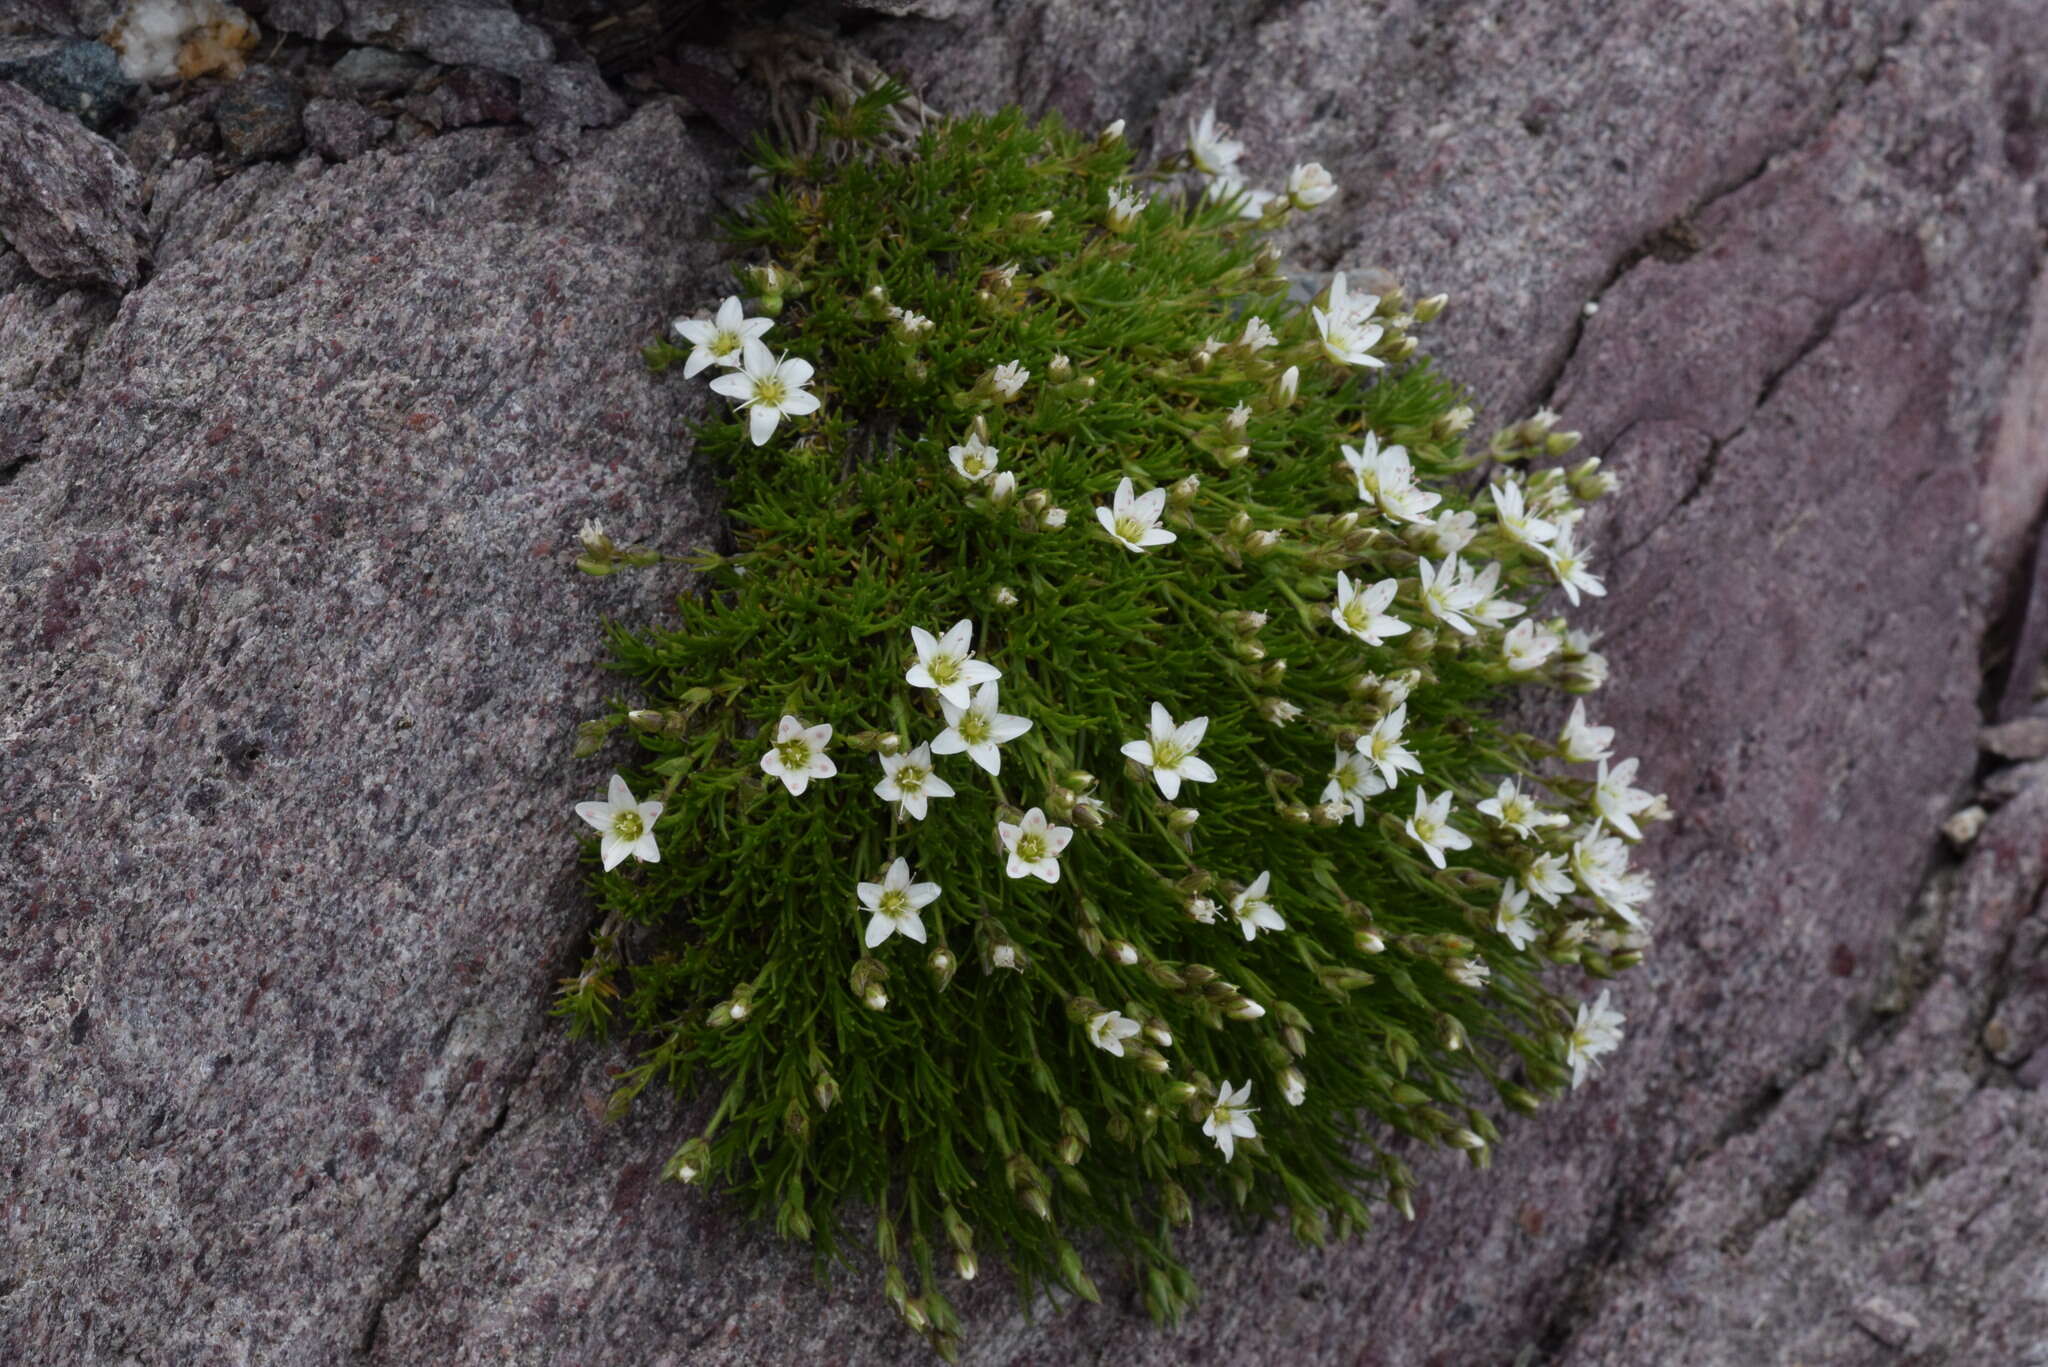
(1561, 443)
(1002, 489)
(825, 1091)
(1182, 491)
(1182, 819)
(1286, 387)
(1148, 1058)
(1174, 1204)
(1114, 133)
(719, 1016)
(1242, 1008)
(1296, 1042)
(943, 965)
(1004, 596)
(875, 998)
(966, 1264)
(1309, 185)
(1369, 942)
(1037, 1202)
(1427, 310)
(1059, 368)
(1070, 1150)
(1295, 814)
(1080, 780)
(1123, 951)
(1053, 519)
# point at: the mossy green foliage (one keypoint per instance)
(972, 1112)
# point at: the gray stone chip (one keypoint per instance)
(67, 197)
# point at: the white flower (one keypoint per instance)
(1517, 811)
(974, 459)
(1431, 827)
(1252, 202)
(773, 388)
(1487, 608)
(1453, 531)
(1382, 747)
(1033, 846)
(1362, 611)
(1230, 1119)
(1386, 480)
(1278, 711)
(1348, 332)
(1293, 1086)
(1169, 752)
(1256, 337)
(1472, 973)
(1545, 876)
(1125, 204)
(907, 325)
(1448, 593)
(895, 902)
(947, 663)
(1052, 519)
(1211, 147)
(1132, 520)
(1527, 647)
(1008, 379)
(977, 729)
(1512, 919)
(1516, 521)
(798, 755)
(1568, 563)
(593, 537)
(1108, 1030)
(1287, 386)
(627, 826)
(909, 779)
(1581, 742)
(1352, 781)
(1002, 488)
(1254, 912)
(721, 340)
(1203, 910)
(1309, 185)
(1617, 801)
(1597, 1032)
(1599, 863)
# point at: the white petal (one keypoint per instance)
(912, 925)
(646, 849)
(1138, 750)
(1196, 770)
(761, 424)
(730, 313)
(1169, 782)
(699, 359)
(621, 796)
(800, 403)
(796, 371)
(733, 385)
(613, 851)
(598, 814)
(880, 928)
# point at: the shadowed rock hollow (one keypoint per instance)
(291, 458)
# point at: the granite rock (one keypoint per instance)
(342, 130)
(68, 199)
(293, 659)
(484, 33)
(258, 117)
(77, 76)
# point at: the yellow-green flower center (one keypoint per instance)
(770, 392)
(895, 903)
(1128, 528)
(910, 778)
(944, 669)
(794, 754)
(627, 825)
(723, 343)
(1167, 755)
(973, 727)
(1030, 848)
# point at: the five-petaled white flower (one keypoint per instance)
(1211, 147)
(1256, 336)
(974, 459)
(773, 388)
(1309, 185)
(1488, 609)
(1253, 910)
(1431, 826)
(719, 341)
(1386, 479)
(1132, 520)
(1527, 647)
(1618, 801)
(1169, 752)
(1382, 748)
(1361, 611)
(798, 754)
(1512, 919)
(947, 664)
(1348, 331)
(1546, 877)
(1230, 1119)
(1568, 563)
(1517, 523)
(1452, 532)
(977, 729)
(1472, 973)
(1600, 863)
(1518, 811)
(1597, 1032)
(1352, 781)
(1107, 1030)
(1448, 593)
(1125, 204)
(627, 826)
(1008, 379)
(908, 779)
(895, 902)
(1034, 846)
(1581, 742)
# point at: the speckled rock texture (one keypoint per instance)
(291, 659)
(67, 197)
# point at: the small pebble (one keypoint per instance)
(1962, 828)
(2026, 738)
